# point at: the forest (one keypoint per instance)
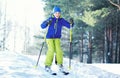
(95, 35)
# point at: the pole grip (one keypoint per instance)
(70, 34)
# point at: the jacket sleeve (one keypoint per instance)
(66, 23)
(45, 23)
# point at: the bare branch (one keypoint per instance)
(117, 5)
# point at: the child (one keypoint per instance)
(53, 36)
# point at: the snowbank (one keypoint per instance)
(15, 65)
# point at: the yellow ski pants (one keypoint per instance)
(54, 47)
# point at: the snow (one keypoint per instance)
(22, 19)
(16, 65)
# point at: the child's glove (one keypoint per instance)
(71, 22)
(49, 21)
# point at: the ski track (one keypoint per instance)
(15, 65)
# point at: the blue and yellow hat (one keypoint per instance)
(56, 9)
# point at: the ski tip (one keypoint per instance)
(66, 73)
(54, 73)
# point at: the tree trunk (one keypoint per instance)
(116, 47)
(103, 51)
(108, 45)
(90, 48)
(81, 49)
(119, 51)
(4, 38)
(111, 44)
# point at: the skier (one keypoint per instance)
(53, 35)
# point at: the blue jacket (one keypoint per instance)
(55, 28)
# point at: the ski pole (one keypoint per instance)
(40, 52)
(49, 22)
(70, 54)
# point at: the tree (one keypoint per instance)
(96, 25)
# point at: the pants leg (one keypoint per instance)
(50, 52)
(59, 52)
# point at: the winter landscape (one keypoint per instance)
(16, 65)
(95, 38)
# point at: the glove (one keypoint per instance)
(71, 21)
(49, 21)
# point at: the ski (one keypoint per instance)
(65, 73)
(54, 73)
(51, 73)
(48, 70)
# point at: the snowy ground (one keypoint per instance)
(15, 65)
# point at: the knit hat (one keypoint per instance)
(56, 9)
